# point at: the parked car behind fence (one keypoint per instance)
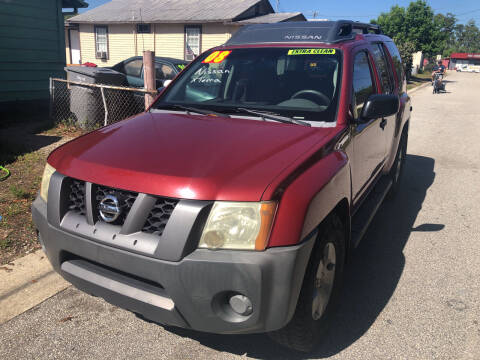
(165, 69)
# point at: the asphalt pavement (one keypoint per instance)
(412, 290)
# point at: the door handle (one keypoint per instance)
(383, 123)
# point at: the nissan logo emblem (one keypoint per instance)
(109, 208)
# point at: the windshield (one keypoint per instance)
(299, 83)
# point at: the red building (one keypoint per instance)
(464, 59)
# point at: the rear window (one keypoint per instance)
(397, 63)
(383, 68)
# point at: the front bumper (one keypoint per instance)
(190, 293)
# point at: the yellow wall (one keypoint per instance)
(169, 40)
(216, 34)
(121, 43)
(165, 39)
(67, 48)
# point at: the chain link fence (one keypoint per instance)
(93, 105)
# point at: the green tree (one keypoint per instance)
(413, 29)
(406, 50)
(468, 37)
(445, 37)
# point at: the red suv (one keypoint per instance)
(232, 203)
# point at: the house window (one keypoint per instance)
(193, 41)
(143, 29)
(101, 42)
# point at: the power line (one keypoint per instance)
(321, 14)
(468, 12)
(316, 13)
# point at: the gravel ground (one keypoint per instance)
(411, 292)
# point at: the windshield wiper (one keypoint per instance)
(279, 118)
(189, 109)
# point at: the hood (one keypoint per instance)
(187, 156)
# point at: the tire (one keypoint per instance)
(396, 171)
(305, 329)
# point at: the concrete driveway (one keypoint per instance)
(412, 290)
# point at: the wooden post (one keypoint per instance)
(149, 76)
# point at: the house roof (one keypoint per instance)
(274, 18)
(168, 11)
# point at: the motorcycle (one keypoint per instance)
(438, 84)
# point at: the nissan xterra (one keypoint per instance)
(231, 205)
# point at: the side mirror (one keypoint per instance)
(380, 105)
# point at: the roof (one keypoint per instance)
(168, 11)
(302, 31)
(74, 4)
(464, 56)
(274, 18)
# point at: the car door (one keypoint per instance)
(133, 71)
(388, 86)
(368, 135)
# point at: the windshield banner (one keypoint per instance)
(311, 52)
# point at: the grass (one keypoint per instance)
(24, 153)
(5, 243)
(418, 80)
(19, 192)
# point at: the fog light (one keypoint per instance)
(241, 305)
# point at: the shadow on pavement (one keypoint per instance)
(370, 280)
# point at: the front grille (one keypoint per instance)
(126, 199)
(159, 215)
(76, 198)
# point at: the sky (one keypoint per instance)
(364, 10)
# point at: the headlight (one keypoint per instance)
(238, 225)
(47, 174)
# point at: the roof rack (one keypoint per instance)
(302, 31)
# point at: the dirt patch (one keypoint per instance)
(24, 150)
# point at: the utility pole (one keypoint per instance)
(149, 76)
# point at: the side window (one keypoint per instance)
(164, 72)
(397, 63)
(134, 68)
(383, 69)
(362, 82)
